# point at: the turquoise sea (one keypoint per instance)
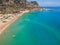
(34, 28)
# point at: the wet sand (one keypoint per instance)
(3, 26)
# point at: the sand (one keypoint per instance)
(3, 26)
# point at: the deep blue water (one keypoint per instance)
(34, 28)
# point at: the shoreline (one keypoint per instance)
(8, 23)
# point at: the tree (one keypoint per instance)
(0, 1)
(17, 1)
(7, 0)
(34, 2)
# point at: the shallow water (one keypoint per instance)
(34, 28)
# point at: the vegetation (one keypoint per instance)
(0, 1)
(7, 0)
(14, 7)
(34, 2)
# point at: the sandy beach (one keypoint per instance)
(10, 20)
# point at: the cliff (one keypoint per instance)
(14, 6)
